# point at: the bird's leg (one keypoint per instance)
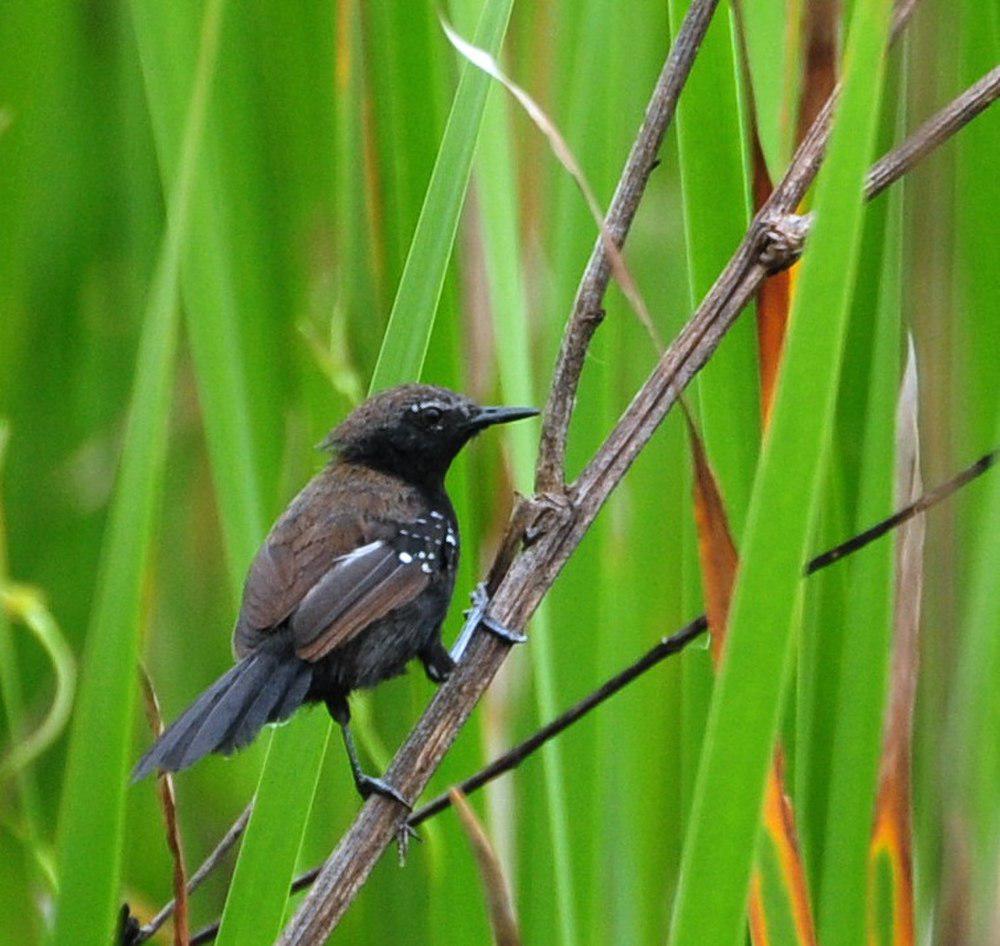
(437, 662)
(476, 616)
(365, 784)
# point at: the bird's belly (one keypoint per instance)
(379, 652)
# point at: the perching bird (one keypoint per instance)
(352, 582)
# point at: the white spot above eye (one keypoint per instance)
(425, 568)
(405, 558)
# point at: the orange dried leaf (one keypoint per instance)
(773, 298)
(820, 74)
(779, 826)
(716, 549)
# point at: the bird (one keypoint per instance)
(352, 582)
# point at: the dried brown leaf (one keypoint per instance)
(499, 905)
(716, 549)
(892, 830)
(168, 800)
(484, 61)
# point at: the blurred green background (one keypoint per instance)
(322, 125)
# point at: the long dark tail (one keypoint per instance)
(264, 687)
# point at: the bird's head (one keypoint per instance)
(415, 430)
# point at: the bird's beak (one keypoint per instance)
(488, 416)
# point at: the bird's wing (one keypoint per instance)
(336, 561)
(359, 588)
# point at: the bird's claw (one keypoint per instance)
(404, 833)
(501, 631)
(368, 784)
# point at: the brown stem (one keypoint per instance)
(587, 312)
(234, 833)
(955, 115)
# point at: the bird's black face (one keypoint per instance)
(416, 430)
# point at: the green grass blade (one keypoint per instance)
(971, 740)
(858, 710)
(270, 848)
(773, 36)
(497, 181)
(976, 720)
(746, 708)
(27, 605)
(408, 333)
(90, 829)
(715, 190)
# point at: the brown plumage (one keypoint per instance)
(352, 582)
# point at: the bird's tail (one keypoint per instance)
(264, 687)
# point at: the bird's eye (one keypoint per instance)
(431, 415)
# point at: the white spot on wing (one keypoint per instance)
(359, 552)
(405, 558)
(425, 568)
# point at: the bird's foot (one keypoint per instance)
(476, 616)
(368, 784)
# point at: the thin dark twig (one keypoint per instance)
(659, 652)
(513, 757)
(931, 498)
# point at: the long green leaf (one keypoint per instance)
(866, 625)
(408, 333)
(270, 848)
(715, 195)
(90, 832)
(746, 708)
(496, 180)
(971, 740)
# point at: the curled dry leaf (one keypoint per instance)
(484, 61)
(891, 914)
(498, 900)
